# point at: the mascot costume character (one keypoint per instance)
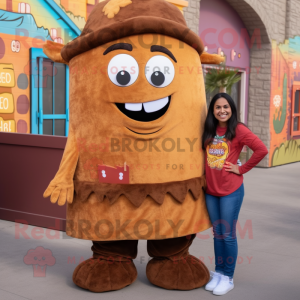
(132, 167)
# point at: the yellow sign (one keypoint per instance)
(6, 103)
(7, 125)
(7, 75)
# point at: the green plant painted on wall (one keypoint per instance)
(288, 152)
(279, 120)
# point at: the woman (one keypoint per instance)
(223, 140)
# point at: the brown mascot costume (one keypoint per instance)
(132, 167)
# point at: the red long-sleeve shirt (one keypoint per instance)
(220, 182)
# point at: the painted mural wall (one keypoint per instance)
(24, 25)
(284, 147)
(77, 10)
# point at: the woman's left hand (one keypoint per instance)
(229, 167)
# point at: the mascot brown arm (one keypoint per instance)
(61, 188)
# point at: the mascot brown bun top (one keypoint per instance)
(137, 110)
(117, 19)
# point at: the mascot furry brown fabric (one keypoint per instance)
(132, 167)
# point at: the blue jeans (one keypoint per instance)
(223, 213)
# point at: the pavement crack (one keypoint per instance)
(15, 294)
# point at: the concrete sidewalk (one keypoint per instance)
(268, 265)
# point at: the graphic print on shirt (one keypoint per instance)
(217, 152)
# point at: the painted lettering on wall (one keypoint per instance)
(7, 125)
(6, 103)
(7, 75)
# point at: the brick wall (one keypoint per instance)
(192, 14)
(292, 18)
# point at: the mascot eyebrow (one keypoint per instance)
(128, 47)
(122, 46)
(156, 48)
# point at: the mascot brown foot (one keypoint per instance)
(111, 267)
(172, 267)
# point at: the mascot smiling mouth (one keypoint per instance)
(147, 111)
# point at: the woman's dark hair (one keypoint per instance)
(211, 122)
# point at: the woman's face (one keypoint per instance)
(222, 111)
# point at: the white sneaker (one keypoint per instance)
(214, 281)
(225, 285)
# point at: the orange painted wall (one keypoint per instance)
(77, 7)
(285, 71)
(21, 69)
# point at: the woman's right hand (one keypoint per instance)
(229, 167)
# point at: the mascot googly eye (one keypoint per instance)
(159, 71)
(123, 70)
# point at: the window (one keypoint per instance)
(238, 93)
(295, 122)
(49, 95)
